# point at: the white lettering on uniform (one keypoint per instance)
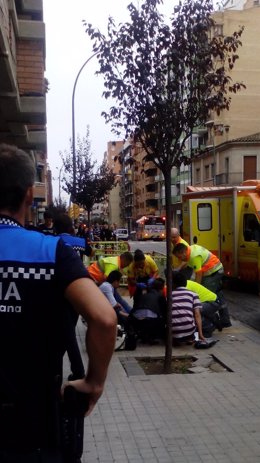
(11, 308)
(12, 291)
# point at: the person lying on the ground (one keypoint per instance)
(186, 308)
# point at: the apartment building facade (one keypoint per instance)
(23, 87)
(224, 151)
(142, 191)
(230, 142)
(111, 207)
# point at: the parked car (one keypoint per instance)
(121, 234)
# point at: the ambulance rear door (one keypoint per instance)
(205, 223)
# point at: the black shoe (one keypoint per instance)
(226, 324)
(217, 322)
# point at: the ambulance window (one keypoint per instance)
(204, 216)
(251, 228)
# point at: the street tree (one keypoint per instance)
(93, 182)
(58, 207)
(165, 78)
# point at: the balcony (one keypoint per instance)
(129, 204)
(32, 7)
(150, 195)
(222, 179)
(231, 178)
(149, 165)
(20, 109)
(39, 192)
(31, 30)
(149, 179)
(174, 199)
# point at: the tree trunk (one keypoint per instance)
(168, 342)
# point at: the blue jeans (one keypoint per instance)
(122, 302)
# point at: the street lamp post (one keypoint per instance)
(59, 184)
(73, 121)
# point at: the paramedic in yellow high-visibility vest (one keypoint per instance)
(212, 307)
(207, 267)
(176, 238)
(141, 272)
(100, 269)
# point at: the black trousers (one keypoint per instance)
(71, 344)
(35, 456)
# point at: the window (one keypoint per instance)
(218, 30)
(197, 175)
(39, 173)
(206, 172)
(251, 228)
(204, 213)
(250, 167)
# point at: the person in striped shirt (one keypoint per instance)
(186, 308)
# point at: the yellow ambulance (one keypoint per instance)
(226, 220)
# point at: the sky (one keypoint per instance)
(67, 48)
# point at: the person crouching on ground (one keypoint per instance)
(186, 308)
(149, 314)
(108, 289)
(211, 308)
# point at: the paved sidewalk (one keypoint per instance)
(206, 417)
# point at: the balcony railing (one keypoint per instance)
(231, 178)
(174, 199)
(149, 179)
(40, 191)
(150, 195)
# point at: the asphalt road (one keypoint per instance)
(244, 305)
(148, 246)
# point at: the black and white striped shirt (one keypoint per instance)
(184, 302)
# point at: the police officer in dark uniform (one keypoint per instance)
(63, 227)
(37, 273)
